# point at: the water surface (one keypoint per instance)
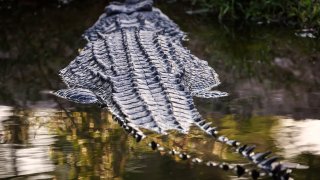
(271, 74)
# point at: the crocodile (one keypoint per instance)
(146, 78)
(134, 64)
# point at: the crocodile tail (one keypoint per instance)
(267, 165)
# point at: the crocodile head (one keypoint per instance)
(129, 7)
(134, 13)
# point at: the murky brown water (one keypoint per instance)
(272, 76)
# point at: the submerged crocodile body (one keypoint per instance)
(135, 65)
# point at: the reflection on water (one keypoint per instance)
(5, 112)
(24, 145)
(271, 74)
(298, 137)
(43, 143)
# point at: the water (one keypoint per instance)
(271, 74)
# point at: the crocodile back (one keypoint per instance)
(142, 73)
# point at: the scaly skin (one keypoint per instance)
(147, 77)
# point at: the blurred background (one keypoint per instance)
(267, 57)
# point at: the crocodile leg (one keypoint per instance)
(78, 95)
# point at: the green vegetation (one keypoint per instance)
(302, 13)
